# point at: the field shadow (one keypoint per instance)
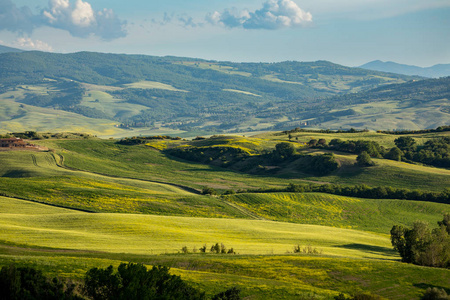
(18, 174)
(370, 249)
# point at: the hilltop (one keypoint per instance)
(436, 71)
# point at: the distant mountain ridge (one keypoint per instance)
(5, 49)
(436, 71)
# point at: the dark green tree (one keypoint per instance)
(283, 151)
(405, 143)
(395, 154)
(364, 160)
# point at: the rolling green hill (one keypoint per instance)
(90, 202)
(125, 95)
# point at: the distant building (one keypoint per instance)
(12, 142)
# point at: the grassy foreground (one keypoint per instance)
(67, 243)
(145, 206)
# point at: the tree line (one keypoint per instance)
(361, 191)
(434, 152)
(130, 281)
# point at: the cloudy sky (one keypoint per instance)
(349, 32)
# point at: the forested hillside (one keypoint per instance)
(173, 94)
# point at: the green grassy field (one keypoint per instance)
(67, 243)
(144, 234)
(106, 157)
(35, 176)
(339, 211)
(146, 206)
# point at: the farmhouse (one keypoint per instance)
(12, 142)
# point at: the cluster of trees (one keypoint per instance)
(320, 165)
(372, 148)
(235, 157)
(136, 140)
(435, 152)
(423, 246)
(362, 191)
(64, 95)
(298, 129)
(33, 135)
(130, 281)
(215, 248)
(29, 283)
(224, 155)
(403, 132)
(306, 250)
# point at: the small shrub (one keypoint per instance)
(230, 294)
(209, 191)
(435, 294)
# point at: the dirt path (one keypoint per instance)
(245, 211)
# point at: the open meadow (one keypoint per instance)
(92, 203)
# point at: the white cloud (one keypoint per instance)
(81, 20)
(29, 44)
(83, 15)
(78, 18)
(275, 14)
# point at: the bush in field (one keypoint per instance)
(395, 154)
(364, 160)
(435, 294)
(230, 294)
(209, 191)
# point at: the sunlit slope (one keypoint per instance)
(36, 176)
(146, 234)
(377, 215)
(42, 236)
(106, 157)
(143, 162)
(16, 117)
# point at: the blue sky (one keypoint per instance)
(349, 32)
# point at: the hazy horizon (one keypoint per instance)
(346, 32)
